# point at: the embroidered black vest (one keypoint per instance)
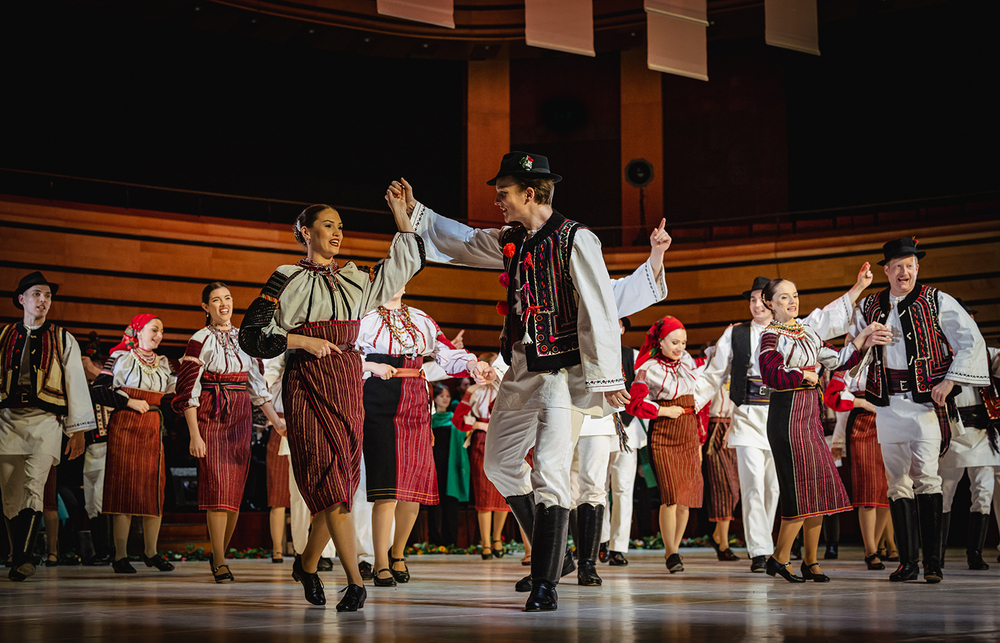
(628, 370)
(928, 353)
(548, 297)
(47, 389)
(740, 370)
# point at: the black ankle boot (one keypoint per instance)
(978, 524)
(929, 511)
(24, 527)
(548, 551)
(590, 518)
(904, 525)
(354, 598)
(311, 583)
(945, 528)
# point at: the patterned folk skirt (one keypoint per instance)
(869, 487)
(486, 494)
(226, 424)
(325, 417)
(721, 472)
(674, 446)
(135, 475)
(278, 494)
(808, 482)
(399, 457)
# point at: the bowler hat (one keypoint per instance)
(904, 247)
(32, 279)
(758, 284)
(525, 166)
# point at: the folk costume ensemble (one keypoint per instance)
(736, 358)
(721, 470)
(857, 426)
(322, 396)
(397, 431)
(222, 381)
(472, 415)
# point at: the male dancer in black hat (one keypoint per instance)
(42, 385)
(736, 358)
(560, 337)
(935, 346)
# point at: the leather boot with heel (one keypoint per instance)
(978, 525)
(929, 512)
(904, 525)
(590, 518)
(548, 551)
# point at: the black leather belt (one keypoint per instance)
(757, 393)
(974, 417)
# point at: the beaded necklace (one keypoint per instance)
(228, 338)
(403, 313)
(148, 365)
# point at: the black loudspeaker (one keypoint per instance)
(639, 172)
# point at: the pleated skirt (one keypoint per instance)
(225, 421)
(485, 492)
(721, 473)
(674, 446)
(869, 486)
(135, 474)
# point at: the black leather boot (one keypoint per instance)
(904, 525)
(25, 527)
(548, 548)
(945, 528)
(929, 507)
(978, 524)
(590, 518)
(523, 508)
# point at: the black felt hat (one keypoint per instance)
(32, 279)
(965, 306)
(901, 248)
(758, 284)
(525, 166)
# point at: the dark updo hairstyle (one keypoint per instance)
(206, 293)
(768, 291)
(306, 219)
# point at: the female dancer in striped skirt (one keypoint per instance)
(810, 487)
(663, 391)
(314, 310)
(399, 459)
(216, 385)
(132, 382)
(721, 472)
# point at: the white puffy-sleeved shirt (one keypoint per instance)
(666, 380)
(33, 430)
(749, 426)
(129, 370)
(580, 388)
(221, 353)
(387, 332)
(972, 448)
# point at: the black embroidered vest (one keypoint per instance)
(740, 370)
(928, 353)
(548, 297)
(47, 389)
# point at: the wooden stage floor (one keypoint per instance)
(463, 598)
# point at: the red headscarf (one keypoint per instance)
(130, 338)
(659, 330)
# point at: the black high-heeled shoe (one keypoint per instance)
(773, 568)
(311, 583)
(807, 574)
(403, 576)
(498, 552)
(222, 576)
(486, 556)
(367, 573)
(354, 598)
(726, 554)
(384, 582)
(869, 560)
(122, 566)
(158, 561)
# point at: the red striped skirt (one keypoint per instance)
(808, 482)
(324, 416)
(868, 482)
(399, 457)
(135, 475)
(278, 494)
(674, 446)
(721, 472)
(225, 421)
(486, 494)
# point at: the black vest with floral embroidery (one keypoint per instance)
(540, 267)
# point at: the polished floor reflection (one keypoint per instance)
(463, 598)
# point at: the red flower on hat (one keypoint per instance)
(528, 262)
(915, 241)
(509, 250)
(504, 279)
(503, 308)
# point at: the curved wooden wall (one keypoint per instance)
(114, 263)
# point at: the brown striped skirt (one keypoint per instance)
(674, 446)
(399, 457)
(485, 492)
(868, 482)
(278, 494)
(135, 476)
(324, 416)
(225, 422)
(721, 472)
(808, 482)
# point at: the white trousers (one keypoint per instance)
(617, 529)
(94, 460)
(301, 519)
(22, 481)
(552, 432)
(911, 467)
(980, 484)
(361, 512)
(589, 481)
(759, 498)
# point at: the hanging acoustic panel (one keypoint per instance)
(792, 24)
(693, 10)
(563, 25)
(435, 12)
(676, 46)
